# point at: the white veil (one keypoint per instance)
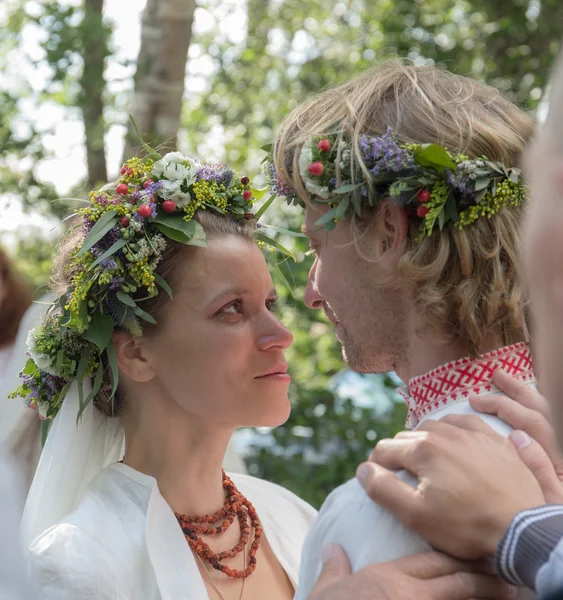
(73, 455)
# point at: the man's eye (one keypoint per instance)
(272, 304)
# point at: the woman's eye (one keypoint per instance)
(272, 304)
(234, 308)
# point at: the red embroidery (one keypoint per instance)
(461, 378)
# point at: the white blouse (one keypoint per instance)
(123, 541)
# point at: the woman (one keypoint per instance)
(164, 522)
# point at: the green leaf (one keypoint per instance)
(434, 156)
(112, 360)
(126, 299)
(268, 240)
(45, 426)
(158, 279)
(100, 329)
(482, 183)
(173, 234)
(259, 193)
(114, 248)
(150, 152)
(80, 373)
(95, 389)
(451, 208)
(265, 206)
(442, 220)
(267, 148)
(186, 232)
(100, 228)
(282, 230)
(346, 189)
(199, 238)
(328, 216)
(480, 195)
(144, 315)
(280, 275)
(30, 367)
(342, 207)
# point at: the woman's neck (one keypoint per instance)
(181, 452)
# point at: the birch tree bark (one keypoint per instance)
(92, 83)
(161, 67)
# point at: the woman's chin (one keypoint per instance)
(273, 414)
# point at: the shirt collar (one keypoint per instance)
(457, 380)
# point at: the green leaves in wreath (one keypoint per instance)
(434, 157)
(175, 228)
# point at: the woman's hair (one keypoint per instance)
(174, 255)
(466, 282)
(18, 297)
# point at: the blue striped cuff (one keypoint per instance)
(528, 543)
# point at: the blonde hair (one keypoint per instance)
(466, 282)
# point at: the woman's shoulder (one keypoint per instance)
(265, 492)
(67, 562)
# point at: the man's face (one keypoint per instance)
(368, 314)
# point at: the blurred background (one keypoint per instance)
(214, 78)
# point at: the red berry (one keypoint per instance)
(124, 169)
(324, 146)
(122, 189)
(124, 222)
(168, 206)
(316, 169)
(245, 180)
(130, 172)
(422, 211)
(144, 210)
(423, 196)
(147, 183)
(247, 194)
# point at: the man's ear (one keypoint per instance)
(392, 225)
(131, 357)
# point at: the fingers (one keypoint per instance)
(335, 567)
(431, 565)
(465, 586)
(525, 419)
(537, 460)
(385, 488)
(521, 392)
(398, 452)
(470, 423)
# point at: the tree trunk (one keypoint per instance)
(94, 52)
(161, 71)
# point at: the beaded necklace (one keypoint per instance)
(236, 506)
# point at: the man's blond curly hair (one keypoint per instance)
(467, 282)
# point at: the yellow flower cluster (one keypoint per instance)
(507, 193)
(143, 275)
(139, 169)
(206, 192)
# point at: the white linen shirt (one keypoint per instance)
(123, 541)
(367, 532)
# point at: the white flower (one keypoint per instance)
(305, 159)
(43, 361)
(42, 409)
(172, 190)
(175, 157)
(176, 166)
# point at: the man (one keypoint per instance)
(418, 271)
(527, 545)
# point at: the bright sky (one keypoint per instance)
(68, 167)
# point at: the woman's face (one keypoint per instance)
(219, 348)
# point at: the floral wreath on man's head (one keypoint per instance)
(125, 229)
(436, 186)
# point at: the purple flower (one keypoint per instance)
(383, 154)
(461, 183)
(116, 282)
(278, 186)
(221, 175)
(108, 263)
(152, 188)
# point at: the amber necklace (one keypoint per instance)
(236, 506)
(215, 587)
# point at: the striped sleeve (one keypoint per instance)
(528, 543)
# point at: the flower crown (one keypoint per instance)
(435, 185)
(125, 232)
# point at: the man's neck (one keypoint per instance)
(429, 352)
